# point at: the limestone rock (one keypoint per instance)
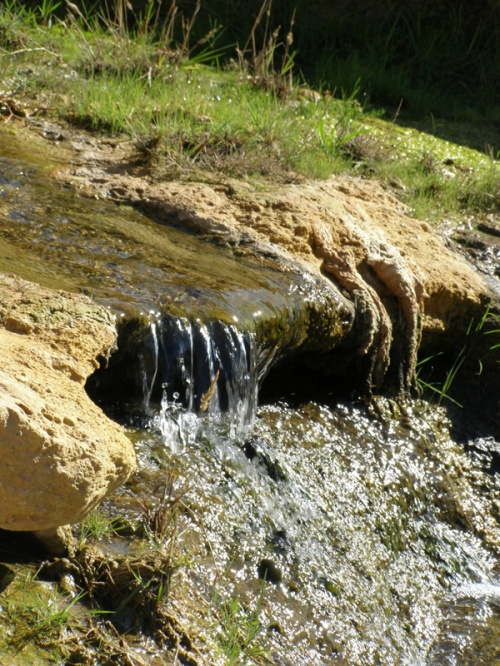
(409, 288)
(60, 454)
(57, 542)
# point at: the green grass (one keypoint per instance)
(482, 341)
(239, 631)
(190, 117)
(97, 526)
(37, 612)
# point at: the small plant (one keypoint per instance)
(97, 526)
(239, 629)
(474, 350)
(160, 521)
(335, 129)
(38, 613)
(133, 592)
(261, 63)
(46, 10)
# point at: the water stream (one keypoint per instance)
(375, 529)
(371, 529)
(203, 368)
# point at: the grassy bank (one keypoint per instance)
(192, 117)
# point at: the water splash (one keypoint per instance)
(359, 518)
(470, 627)
(206, 375)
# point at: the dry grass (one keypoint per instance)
(268, 63)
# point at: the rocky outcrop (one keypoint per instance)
(407, 285)
(404, 280)
(60, 454)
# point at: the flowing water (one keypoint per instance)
(370, 526)
(359, 534)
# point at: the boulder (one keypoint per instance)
(60, 454)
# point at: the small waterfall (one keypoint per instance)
(206, 376)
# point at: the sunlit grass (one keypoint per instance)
(190, 118)
(37, 612)
(482, 340)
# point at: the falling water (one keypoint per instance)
(357, 517)
(206, 374)
(148, 383)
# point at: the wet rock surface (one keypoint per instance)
(408, 286)
(60, 455)
(308, 267)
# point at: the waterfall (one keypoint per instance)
(206, 375)
(147, 383)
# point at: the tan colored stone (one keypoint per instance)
(57, 542)
(408, 285)
(60, 454)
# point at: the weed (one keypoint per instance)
(340, 133)
(38, 613)
(97, 526)
(474, 352)
(239, 630)
(160, 521)
(133, 592)
(46, 9)
(259, 59)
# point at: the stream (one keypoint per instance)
(360, 534)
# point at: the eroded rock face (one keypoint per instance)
(408, 287)
(60, 454)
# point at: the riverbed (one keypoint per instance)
(347, 531)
